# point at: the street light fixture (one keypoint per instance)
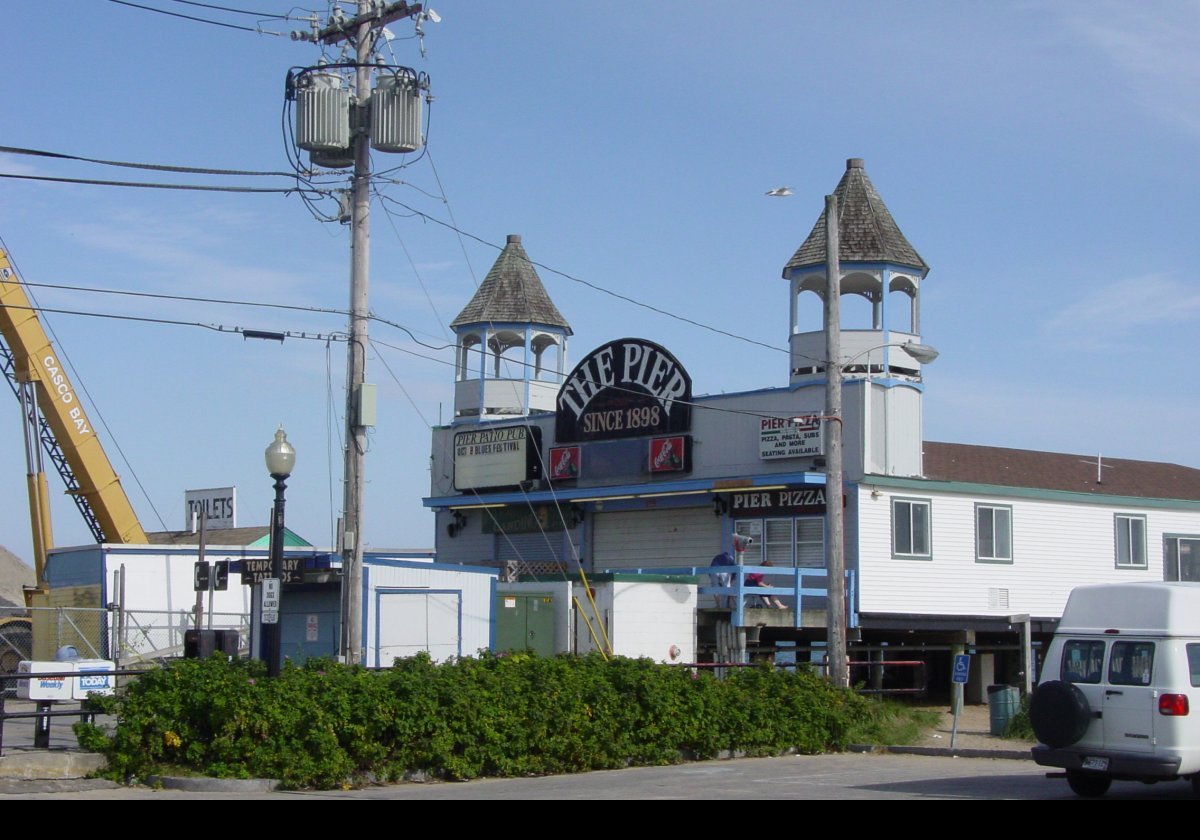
(280, 457)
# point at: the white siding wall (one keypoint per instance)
(1056, 546)
(651, 618)
(643, 619)
(402, 621)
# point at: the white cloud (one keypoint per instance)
(1125, 307)
(15, 165)
(1153, 45)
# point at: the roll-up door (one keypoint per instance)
(536, 553)
(655, 538)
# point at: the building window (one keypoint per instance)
(910, 528)
(1131, 541)
(1181, 557)
(993, 534)
(785, 541)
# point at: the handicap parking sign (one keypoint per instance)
(962, 667)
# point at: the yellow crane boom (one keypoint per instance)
(66, 432)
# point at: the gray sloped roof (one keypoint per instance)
(866, 230)
(512, 292)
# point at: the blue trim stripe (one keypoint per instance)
(570, 494)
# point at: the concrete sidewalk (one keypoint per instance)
(973, 738)
(63, 760)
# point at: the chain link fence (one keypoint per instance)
(150, 636)
(16, 637)
(127, 637)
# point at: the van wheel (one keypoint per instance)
(1059, 713)
(1196, 786)
(1088, 784)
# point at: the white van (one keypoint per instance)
(1118, 685)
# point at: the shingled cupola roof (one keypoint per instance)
(511, 293)
(866, 230)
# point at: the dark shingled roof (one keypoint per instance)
(512, 292)
(866, 230)
(212, 536)
(1058, 471)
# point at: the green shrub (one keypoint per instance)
(1019, 727)
(326, 725)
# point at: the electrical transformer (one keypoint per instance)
(323, 119)
(396, 113)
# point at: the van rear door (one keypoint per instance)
(1129, 703)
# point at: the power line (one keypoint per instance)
(190, 298)
(429, 298)
(320, 310)
(400, 385)
(264, 15)
(595, 286)
(255, 29)
(143, 185)
(761, 415)
(157, 167)
(246, 332)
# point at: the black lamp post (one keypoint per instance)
(280, 457)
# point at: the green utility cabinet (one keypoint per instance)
(525, 621)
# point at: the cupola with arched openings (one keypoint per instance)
(880, 276)
(511, 343)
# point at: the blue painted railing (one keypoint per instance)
(739, 591)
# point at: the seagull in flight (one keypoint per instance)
(780, 192)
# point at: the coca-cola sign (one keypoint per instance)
(671, 454)
(627, 388)
(565, 463)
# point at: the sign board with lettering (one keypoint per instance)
(796, 437)
(219, 503)
(256, 570)
(790, 500)
(524, 519)
(270, 601)
(496, 457)
(627, 388)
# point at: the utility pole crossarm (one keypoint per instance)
(343, 30)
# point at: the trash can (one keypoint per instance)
(1004, 701)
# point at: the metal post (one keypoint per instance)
(41, 726)
(835, 610)
(271, 631)
(199, 611)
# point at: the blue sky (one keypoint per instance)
(1039, 155)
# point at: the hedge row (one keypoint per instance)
(325, 725)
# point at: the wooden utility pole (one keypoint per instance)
(364, 28)
(835, 609)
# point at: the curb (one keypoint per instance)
(30, 764)
(208, 784)
(946, 752)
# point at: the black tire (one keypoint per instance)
(1059, 713)
(1089, 785)
(1196, 786)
